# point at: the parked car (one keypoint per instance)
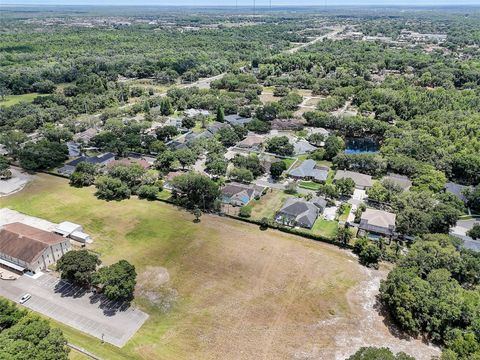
(25, 298)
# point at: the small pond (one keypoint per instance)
(364, 145)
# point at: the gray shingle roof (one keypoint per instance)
(456, 189)
(358, 178)
(303, 147)
(237, 120)
(308, 169)
(305, 213)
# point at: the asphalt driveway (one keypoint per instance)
(112, 321)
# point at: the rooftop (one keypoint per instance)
(456, 189)
(309, 169)
(379, 218)
(25, 242)
(358, 178)
(401, 180)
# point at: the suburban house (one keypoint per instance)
(297, 212)
(401, 180)
(457, 190)
(101, 160)
(362, 181)
(320, 202)
(287, 124)
(134, 155)
(169, 178)
(378, 222)
(302, 147)
(72, 231)
(239, 194)
(216, 126)
(85, 136)
(308, 170)
(252, 141)
(26, 248)
(237, 120)
(176, 122)
(73, 149)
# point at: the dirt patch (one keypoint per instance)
(152, 285)
(267, 97)
(368, 327)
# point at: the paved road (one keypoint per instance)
(71, 305)
(314, 41)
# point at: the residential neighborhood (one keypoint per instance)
(244, 180)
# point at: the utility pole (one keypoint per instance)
(254, 7)
(270, 4)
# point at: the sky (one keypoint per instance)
(246, 2)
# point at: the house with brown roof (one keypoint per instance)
(378, 222)
(252, 141)
(287, 124)
(85, 136)
(23, 247)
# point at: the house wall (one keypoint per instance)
(14, 260)
(49, 256)
(376, 229)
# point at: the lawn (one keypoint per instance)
(11, 100)
(289, 162)
(231, 286)
(344, 215)
(325, 228)
(309, 185)
(268, 204)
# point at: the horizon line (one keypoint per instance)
(250, 6)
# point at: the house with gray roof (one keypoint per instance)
(362, 181)
(73, 149)
(237, 194)
(401, 180)
(100, 160)
(216, 126)
(378, 222)
(308, 170)
(297, 212)
(302, 147)
(457, 190)
(237, 120)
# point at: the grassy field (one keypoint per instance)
(11, 100)
(231, 286)
(268, 204)
(325, 228)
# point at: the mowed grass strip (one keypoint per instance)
(11, 100)
(235, 287)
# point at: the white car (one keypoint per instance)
(25, 298)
